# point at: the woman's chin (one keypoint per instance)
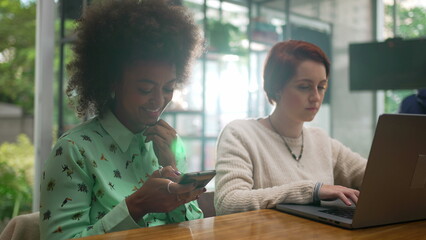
(309, 119)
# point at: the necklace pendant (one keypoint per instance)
(297, 158)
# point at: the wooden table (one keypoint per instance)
(266, 224)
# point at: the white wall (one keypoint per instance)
(352, 112)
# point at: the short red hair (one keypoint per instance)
(283, 60)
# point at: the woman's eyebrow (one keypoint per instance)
(145, 80)
(310, 80)
(304, 80)
(172, 81)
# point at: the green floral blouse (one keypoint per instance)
(91, 170)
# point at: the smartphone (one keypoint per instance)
(201, 178)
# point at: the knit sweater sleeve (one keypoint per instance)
(239, 158)
(349, 166)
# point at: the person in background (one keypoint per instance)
(415, 103)
(118, 170)
(265, 161)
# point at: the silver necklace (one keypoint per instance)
(297, 158)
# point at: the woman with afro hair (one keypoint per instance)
(118, 169)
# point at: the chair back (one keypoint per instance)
(22, 227)
(206, 204)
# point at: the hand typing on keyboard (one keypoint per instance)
(332, 192)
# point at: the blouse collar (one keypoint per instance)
(119, 133)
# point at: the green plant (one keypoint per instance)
(17, 52)
(16, 177)
(411, 21)
(393, 99)
(224, 37)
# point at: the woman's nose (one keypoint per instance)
(157, 98)
(315, 95)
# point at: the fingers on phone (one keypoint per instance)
(168, 172)
(193, 195)
(183, 188)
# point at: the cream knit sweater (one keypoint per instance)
(255, 170)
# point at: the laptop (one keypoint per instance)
(394, 185)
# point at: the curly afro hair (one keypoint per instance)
(113, 34)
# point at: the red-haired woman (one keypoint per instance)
(265, 161)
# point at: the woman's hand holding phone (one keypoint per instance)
(161, 193)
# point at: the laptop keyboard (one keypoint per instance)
(341, 212)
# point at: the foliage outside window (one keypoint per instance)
(17, 53)
(410, 23)
(16, 177)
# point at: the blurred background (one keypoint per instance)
(226, 82)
